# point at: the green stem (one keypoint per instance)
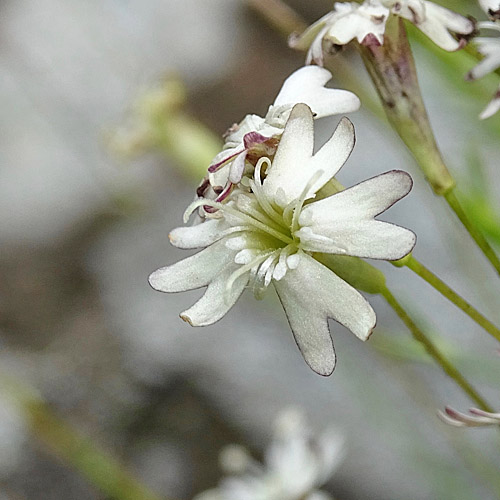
(97, 466)
(67, 444)
(279, 15)
(433, 351)
(474, 232)
(392, 69)
(452, 296)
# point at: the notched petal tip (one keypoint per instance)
(370, 40)
(187, 319)
(369, 332)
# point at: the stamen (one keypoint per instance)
(266, 265)
(293, 261)
(281, 267)
(244, 256)
(243, 217)
(288, 212)
(306, 234)
(241, 271)
(236, 229)
(258, 190)
(244, 203)
(216, 166)
(302, 199)
(225, 193)
(269, 273)
(259, 282)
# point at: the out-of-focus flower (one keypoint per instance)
(366, 23)
(255, 136)
(477, 418)
(270, 230)
(139, 133)
(489, 47)
(296, 464)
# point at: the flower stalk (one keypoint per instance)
(472, 229)
(98, 467)
(392, 69)
(419, 269)
(434, 352)
(67, 444)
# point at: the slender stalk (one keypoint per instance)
(419, 269)
(474, 232)
(433, 351)
(279, 15)
(67, 444)
(97, 466)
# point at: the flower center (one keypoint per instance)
(274, 229)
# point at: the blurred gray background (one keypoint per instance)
(79, 322)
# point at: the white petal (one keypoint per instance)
(250, 123)
(224, 156)
(310, 294)
(315, 53)
(490, 49)
(488, 25)
(216, 301)
(362, 201)
(490, 6)
(332, 156)
(413, 10)
(194, 272)
(492, 107)
(198, 236)
(364, 20)
(237, 168)
(307, 85)
(367, 239)
(310, 35)
(294, 166)
(438, 23)
(294, 150)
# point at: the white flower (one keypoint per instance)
(295, 465)
(270, 229)
(256, 136)
(441, 25)
(348, 21)
(366, 23)
(489, 47)
(477, 418)
(492, 8)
